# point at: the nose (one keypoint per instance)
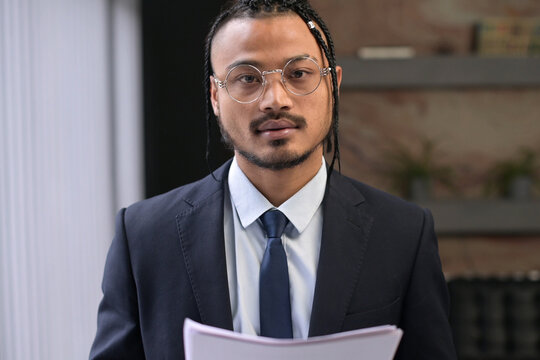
(275, 97)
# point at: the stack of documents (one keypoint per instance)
(202, 342)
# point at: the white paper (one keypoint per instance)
(202, 342)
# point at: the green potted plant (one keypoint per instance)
(412, 174)
(515, 178)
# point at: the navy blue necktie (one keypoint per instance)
(274, 298)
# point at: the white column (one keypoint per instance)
(127, 109)
(64, 113)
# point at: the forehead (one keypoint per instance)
(270, 41)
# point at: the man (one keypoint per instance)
(349, 256)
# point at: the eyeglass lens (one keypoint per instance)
(245, 83)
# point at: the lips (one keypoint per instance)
(276, 125)
(276, 129)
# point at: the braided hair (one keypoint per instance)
(266, 8)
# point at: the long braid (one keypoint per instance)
(261, 8)
(207, 73)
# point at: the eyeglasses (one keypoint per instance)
(245, 83)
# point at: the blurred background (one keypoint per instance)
(102, 104)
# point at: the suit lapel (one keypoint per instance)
(344, 239)
(200, 227)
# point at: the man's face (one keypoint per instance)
(280, 129)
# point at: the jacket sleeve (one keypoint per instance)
(118, 333)
(426, 330)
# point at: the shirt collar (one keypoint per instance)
(299, 209)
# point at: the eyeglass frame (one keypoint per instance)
(223, 84)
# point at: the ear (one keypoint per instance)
(339, 73)
(214, 95)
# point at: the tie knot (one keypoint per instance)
(274, 222)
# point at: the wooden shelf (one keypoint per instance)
(485, 217)
(440, 72)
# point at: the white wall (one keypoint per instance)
(70, 128)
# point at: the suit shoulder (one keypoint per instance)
(181, 198)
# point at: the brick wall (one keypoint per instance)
(472, 128)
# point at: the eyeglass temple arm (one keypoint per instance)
(326, 71)
(219, 83)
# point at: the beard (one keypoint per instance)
(280, 159)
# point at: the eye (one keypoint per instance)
(301, 69)
(248, 79)
(245, 76)
(298, 74)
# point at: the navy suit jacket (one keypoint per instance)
(378, 264)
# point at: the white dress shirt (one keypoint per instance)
(245, 243)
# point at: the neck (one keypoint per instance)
(279, 185)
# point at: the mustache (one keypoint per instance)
(298, 120)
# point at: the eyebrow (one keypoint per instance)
(258, 64)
